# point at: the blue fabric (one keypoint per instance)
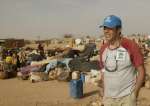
(66, 62)
(52, 64)
(112, 21)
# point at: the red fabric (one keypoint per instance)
(133, 50)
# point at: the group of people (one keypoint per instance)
(9, 64)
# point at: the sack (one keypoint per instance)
(1, 66)
(38, 76)
(35, 77)
(8, 67)
(64, 76)
(87, 66)
(53, 75)
(3, 75)
(22, 76)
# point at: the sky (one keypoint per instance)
(44, 19)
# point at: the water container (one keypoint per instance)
(87, 78)
(82, 77)
(75, 75)
(76, 88)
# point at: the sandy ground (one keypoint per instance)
(14, 92)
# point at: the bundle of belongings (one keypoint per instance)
(7, 70)
(80, 60)
(40, 69)
(43, 72)
(82, 65)
(24, 72)
(38, 76)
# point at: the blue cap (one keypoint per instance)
(112, 21)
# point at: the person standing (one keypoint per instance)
(121, 64)
(41, 50)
